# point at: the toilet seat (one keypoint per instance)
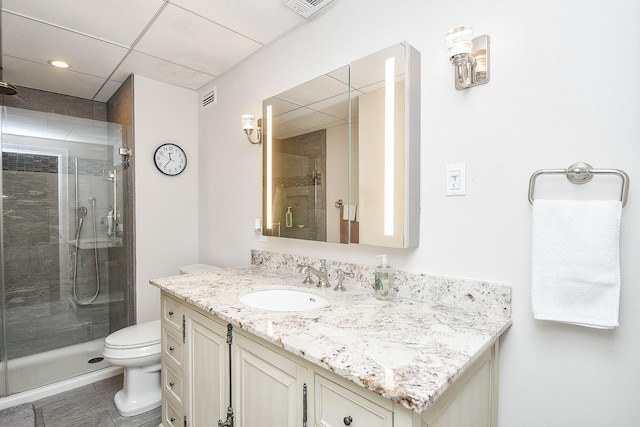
(134, 341)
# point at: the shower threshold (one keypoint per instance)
(36, 376)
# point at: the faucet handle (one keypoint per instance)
(304, 268)
(341, 273)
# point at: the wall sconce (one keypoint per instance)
(469, 56)
(249, 125)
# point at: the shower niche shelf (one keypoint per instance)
(100, 243)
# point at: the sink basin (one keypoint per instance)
(283, 300)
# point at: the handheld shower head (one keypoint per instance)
(81, 212)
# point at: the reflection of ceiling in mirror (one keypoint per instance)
(322, 103)
(318, 104)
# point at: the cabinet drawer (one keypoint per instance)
(172, 347)
(337, 406)
(172, 383)
(172, 417)
(172, 312)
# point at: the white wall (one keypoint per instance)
(564, 88)
(166, 207)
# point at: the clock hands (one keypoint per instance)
(170, 160)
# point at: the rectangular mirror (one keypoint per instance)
(340, 163)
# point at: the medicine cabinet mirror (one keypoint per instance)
(341, 154)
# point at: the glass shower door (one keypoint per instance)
(64, 261)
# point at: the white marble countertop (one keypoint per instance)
(405, 350)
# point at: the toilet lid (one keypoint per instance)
(140, 335)
(198, 268)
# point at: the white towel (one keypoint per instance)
(349, 212)
(575, 266)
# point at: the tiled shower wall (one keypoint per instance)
(299, 166)
(39, 256)
(30, 189)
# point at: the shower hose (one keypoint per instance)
(82, 212)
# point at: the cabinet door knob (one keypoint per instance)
(347, 420)
(170, 313)
(172, 348)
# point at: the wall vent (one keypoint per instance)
(210, 98)
(306, 8)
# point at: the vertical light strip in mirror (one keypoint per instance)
(389, 136)
(269, 149)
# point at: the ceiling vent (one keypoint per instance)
(306, 8)
(210, 98)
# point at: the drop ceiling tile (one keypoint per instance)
(43, 77)
(44, 42)
(117, 21)
(260, 20)
(107, 91)
(158, 69)
(182, 37)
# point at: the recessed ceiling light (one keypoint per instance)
(58, 64)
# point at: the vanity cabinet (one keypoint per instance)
(272, 387)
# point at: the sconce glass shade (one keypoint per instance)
(460, 41)
(248, 122)
(249, 125)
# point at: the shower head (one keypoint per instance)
(7, 88)
(81, 212)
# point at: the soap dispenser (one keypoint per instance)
(288, 221)
(384, 276)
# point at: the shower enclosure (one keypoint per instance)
(64, 264)
(299, 185)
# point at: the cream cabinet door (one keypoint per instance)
(269, 389)
(207, 366)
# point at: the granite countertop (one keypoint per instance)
(406, 350)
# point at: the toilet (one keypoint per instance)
(137, 349)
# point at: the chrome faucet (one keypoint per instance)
(322, 273)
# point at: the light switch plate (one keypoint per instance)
(456, 179)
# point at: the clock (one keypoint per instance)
(170, 159)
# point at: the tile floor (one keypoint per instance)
(90, 406)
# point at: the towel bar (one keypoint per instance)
(581, 173)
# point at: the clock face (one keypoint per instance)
(170, 159)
